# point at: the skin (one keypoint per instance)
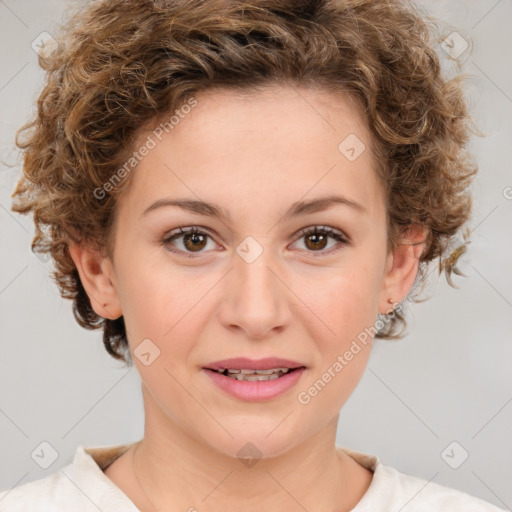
(254, 155)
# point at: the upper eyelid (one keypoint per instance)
(183, 230)
(332, 232)
(319, 227)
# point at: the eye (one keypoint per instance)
(317, 238)
(193, 240)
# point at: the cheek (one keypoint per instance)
(155, 301)
(146, 276)
(347, 309)
(168, 307)
(346, 302)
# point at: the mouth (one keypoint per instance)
(255, 385)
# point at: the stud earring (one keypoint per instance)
(390, 301)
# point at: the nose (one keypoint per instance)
(256, 298)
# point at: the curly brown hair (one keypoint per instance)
(121, 66)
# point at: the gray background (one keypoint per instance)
(448, 380)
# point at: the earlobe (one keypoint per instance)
(402, 267)
(97, 277)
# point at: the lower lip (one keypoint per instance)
(257, 391)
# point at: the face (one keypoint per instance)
(258, 281)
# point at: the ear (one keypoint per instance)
(402, 267)
(98, 278)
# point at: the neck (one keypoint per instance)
(176, 470)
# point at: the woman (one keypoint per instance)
(241, 196)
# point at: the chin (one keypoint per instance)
(251, 445)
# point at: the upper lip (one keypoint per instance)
(244, 363)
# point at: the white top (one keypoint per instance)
(82, 486)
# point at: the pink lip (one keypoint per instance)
(256, 391)
(243, 363)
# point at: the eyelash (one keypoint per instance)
(313, 230)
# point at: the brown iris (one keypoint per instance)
(197, 240)
(317, 239)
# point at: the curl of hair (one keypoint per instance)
(121, 66)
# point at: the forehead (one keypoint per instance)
(278, 141)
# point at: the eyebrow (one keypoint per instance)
(296, 209)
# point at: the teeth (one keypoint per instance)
(263, 372)
(254, 378)
(255, 375)
(250, 372)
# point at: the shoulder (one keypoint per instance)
(391, 490)
(412, 494)
(52, 493)
(78, 486)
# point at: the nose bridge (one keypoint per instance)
(255, 268)
(256, 297)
